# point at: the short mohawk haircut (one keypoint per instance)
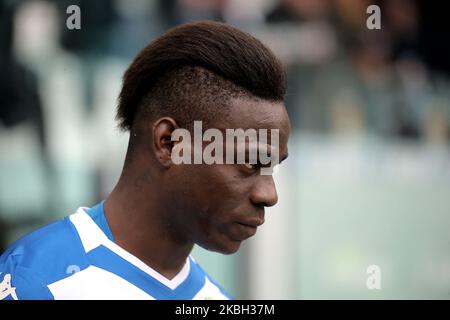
(228, 53)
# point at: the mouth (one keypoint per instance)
(253, 222)
(250, 224)
(247, 229)
(251, 227)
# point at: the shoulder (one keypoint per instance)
(39, 258)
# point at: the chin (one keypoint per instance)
(230, 250)
(229, 247)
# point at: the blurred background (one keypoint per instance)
(367, 181)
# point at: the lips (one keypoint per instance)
(244, 229)
(251, 223)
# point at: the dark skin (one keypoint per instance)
(159, 210)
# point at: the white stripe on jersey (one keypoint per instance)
(92, 237)
(94, 283)
(209, 292)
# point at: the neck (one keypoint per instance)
(136, 221)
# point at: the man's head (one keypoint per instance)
(214, 73)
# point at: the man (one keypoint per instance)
(136, 244)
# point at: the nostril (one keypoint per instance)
(264, 195)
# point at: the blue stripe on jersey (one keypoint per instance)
(45, 256)
(106, 259)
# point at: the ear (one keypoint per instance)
(162, 142)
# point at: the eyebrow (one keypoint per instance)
(269, 153)
(282, 159)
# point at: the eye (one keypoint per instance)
(251, 166)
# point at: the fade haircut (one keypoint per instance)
(191, 72)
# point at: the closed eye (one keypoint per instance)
(252, 166)
(256, 166)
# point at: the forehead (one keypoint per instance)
(247, 113)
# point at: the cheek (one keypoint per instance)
(227, 196)
(210, 194)
(222, 186)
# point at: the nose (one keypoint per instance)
(264, 192)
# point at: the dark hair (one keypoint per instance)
(198, 60)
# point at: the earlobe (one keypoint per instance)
(162, 140)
